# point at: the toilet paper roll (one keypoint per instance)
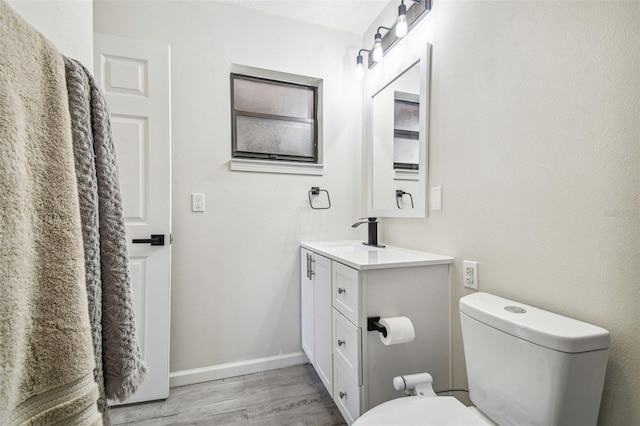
(399, 330)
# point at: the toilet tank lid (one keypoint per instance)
(535, 325)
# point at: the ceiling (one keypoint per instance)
(354, 16)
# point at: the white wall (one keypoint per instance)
(235, 268)
(534, 137)
(66, 23)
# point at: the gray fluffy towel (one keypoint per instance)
(79, 93)
(120, 369)
(46, 356)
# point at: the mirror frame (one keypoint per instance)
(422, 208)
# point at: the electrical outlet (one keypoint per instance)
(197, 202)
(470, 271)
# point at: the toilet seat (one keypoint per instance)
(420, 410)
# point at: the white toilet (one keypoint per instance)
(525, 366)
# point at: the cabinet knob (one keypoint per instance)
(341, 290)
(342, 394)
(341, 342)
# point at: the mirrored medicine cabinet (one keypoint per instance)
(398, 141)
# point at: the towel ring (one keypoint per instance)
(315, 190)
(399, 194)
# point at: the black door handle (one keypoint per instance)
(155, 240)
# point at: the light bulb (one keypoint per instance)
(401, 25)
(359, 68)
(378, 54)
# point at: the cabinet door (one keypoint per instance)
(306, 304)
(321, 273)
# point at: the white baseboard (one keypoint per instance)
(223, 371)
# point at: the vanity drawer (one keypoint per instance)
(347, 345)
(345, 284)
(346, 393)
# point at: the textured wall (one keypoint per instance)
(235, 268)
(535, 139)
(67, 23)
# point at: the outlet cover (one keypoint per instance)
(197, 202)
(470, 274)
(436, 198)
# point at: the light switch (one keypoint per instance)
(436, 198)
(197, 202)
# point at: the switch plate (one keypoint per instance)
(436, 198)
(197, 202)
(470, 274)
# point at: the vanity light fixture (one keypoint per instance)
(402, 26)
(408, 17)
(378, 54)
(359, 65)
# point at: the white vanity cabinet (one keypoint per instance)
(315, 295)
(358, 368)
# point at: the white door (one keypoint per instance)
(315, 298)
(321, 269)
(134, 76)
(306, 304)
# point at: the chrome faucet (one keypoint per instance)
(373, 230)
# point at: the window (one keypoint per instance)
(273, 120)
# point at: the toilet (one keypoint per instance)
(525, 366)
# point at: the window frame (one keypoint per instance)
(237, 154)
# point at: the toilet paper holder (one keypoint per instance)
(374, 325)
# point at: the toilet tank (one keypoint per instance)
(527, 366)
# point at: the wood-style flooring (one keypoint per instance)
(288, 396)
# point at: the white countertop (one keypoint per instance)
(363, 257)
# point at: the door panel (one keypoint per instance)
(321, 267)
(306, 304)
(134, 76)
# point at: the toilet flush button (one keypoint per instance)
(515, 309)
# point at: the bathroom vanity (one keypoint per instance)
(345, 282)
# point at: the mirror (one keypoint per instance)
(398, 167)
